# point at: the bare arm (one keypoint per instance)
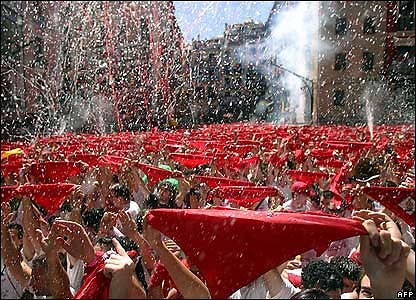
(187, 283)
(10, 254)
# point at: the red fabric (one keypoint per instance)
(245, 196)
(330, 163)
(154, 174)
(321, 153)
(234, 247)
(294, 279)
(161, 277)
(53, 171)
(112, 161)
(90, 159)
(299, 156)
(306, 176)
(236, 163)
(191, 160)
(12, 167)
(49, 196)
(277, 160)
(8, 192)
(300, 187)
(242, 150)
(213, 182)
(395, 199)
(96, 285)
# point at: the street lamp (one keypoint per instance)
(307, 81)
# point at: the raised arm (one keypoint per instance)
(384, 258)
(187, 283)
(9, 253)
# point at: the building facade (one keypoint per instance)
(225, 82)
(362, 61)
(92, 66)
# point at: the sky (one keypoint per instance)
(207, 19)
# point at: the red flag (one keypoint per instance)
(245, 196)
(306, 176)
(213, 182)
(400, 201)
(53, 171)
(154, 174)
(234, 247)
(49, 196)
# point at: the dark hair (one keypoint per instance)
(92, 217)
(19, 229)
(313, 293)
(124, 241)
(152, 201)
(347, 268)
(192, 192)
(120, 190)
(321, 274)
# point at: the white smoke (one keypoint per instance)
(293, 43)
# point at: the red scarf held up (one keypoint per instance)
(234, 247)
(191, 160)
(48, 196)
(154, 174)
(96, 285)
(400, 201)
(213, 182)
(308, 177)
(53, 171)
(245, 196)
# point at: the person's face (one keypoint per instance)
(299, 199)
(349, 285)
(194, 201)
(334, 294)
(365, 291)
(164, 195)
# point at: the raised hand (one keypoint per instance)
(78, 244)
(107, 223)
(119, 264)
(128, 224)
(384, 259)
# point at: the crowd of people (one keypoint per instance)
(86, 216)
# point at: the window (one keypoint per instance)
(341, 26)
(406, 20)
(341, 61)
(368, 61)
(369, 25)
(339, 97)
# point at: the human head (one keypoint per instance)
(193, 199)
(167, 193)
(300, 193)
(364, 290)
(120, 197)
(323, 275)
(350, 271)
(310, 294)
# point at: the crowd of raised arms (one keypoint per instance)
(240, 211)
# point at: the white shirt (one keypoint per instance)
(10, 288)
(75, 274)
(254, 290)
(287, 291)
